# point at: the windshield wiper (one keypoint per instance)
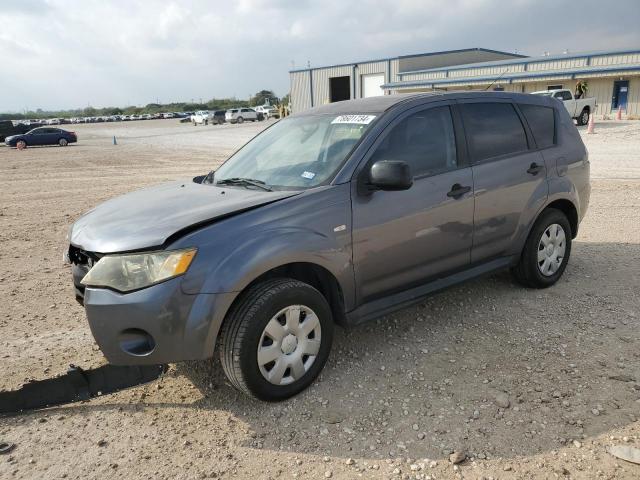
(244, 181)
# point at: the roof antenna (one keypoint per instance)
(496, 79)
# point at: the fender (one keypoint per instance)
(315, 228)
(569, 194)
(276, 247)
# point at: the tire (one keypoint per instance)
(21, 144)
(63, 142)
(538, 255)
(240, 120)
(583, 119)
(245, 332)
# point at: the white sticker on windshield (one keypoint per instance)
(308, 175)
(357, 119)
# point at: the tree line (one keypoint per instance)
(259, 98)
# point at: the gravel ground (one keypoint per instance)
(523, 383)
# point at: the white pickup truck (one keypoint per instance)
(578, 108)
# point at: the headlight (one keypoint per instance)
(134, 271)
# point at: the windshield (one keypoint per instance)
(544, 94)
(297, 152)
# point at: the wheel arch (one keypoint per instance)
(569, 209)
(311, 273)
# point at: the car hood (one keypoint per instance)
(147, 218)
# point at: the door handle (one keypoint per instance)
(457, 191)
(534, 168)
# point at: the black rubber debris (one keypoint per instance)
(6, 447)
(77, 385)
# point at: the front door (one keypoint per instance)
(402, 239)
(508, 176)
(620, 94)
(39, 137)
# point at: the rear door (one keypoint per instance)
(509, 175)
(402, 239)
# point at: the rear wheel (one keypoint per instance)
(63, 142)
(546, 251)
(240, 120)
(276, 339)
(21, 144)
(583, 119)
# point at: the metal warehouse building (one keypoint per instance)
(613, 77)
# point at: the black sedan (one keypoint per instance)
(42, 136)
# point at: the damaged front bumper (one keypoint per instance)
(155, 325)
(158, 324)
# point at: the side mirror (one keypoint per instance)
(390, 175)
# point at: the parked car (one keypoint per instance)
(201, 117)
(217, 117)
(7, 129)
(239, 115)
(168, 115)
(579, 108)
(268, 111)
(337, 215)
(42, 136)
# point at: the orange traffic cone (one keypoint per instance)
(591, 125)
(619, 114)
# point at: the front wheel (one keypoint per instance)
(21, 145)
(546, 251)
(276, 339)
(240, 119)
(63, 142)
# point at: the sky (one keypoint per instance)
(62, 54)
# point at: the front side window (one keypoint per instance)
(492, 130)
(297, 152)
(425, 140)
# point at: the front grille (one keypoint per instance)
(81, 262)
(78, 256)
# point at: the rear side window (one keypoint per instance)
(425, 140)
(541, 120)
(493, 129)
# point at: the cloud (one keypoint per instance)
(70, 53)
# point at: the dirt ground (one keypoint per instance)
(529, 384)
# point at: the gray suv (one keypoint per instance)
(337, 215)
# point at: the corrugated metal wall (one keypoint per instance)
(487, 71)
(321, 78)
(301, 85)
(557, 64)
(600, 83)
(615, 59)
(601, 89)
(300, 91)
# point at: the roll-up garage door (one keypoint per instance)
(372, 85)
